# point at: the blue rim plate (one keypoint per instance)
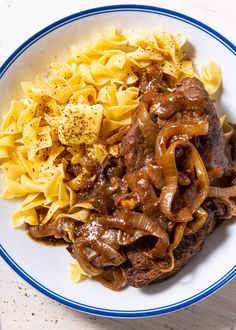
(74, 304)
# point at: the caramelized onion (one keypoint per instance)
(127, 239)
(110, 255)
(54, 228)
(165, 266)
(142, 222)
(132, 220)
(42, 230)
(117, 237)
(90, 253)
(80, 256)
(231, 207)
(222, 192)
(179, 231)
(183, 179)
(134, 226)
(114, 284)
(117, 222)
(170, 175)
(200, 217)
(106, 256)
(167, 132)
(120, 231)
(117, 136)
(127, 233)
(155, 175)
(148, 128)
(90, 240)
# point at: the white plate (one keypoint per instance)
(46, 268)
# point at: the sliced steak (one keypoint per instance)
(140, 270)
(190, 102)
(211, 147)
(151, 79)
(134, 150)
(107, 186)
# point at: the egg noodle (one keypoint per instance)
(71, 113)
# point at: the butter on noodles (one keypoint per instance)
(68, 115)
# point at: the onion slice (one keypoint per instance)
(178, 235)
(148, 128)
(177, 129)
(142, 222)
(222, 192)
(231, 207)
(200, 217)
(114, 284)
(80, 256)
(170, 175)
(129, 221)
(155, 175)
(115, 138)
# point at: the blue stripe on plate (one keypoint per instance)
(74, 304)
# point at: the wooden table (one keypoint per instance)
(21, 306)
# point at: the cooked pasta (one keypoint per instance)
(76, 272)
(211, 77)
